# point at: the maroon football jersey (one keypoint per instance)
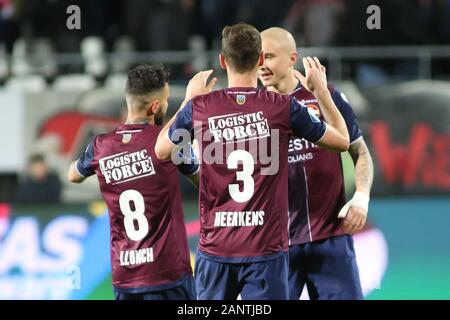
(316, 182)
(148, 236)
(243, 193)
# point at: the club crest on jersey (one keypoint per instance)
(240, 99)
(239, 127)
(126, 137)
(314, 109)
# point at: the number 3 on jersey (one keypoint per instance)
(248, 165)
(131, 215)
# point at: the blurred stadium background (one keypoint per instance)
(60, 87)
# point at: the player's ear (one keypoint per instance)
(153, 109)
(222, 61)
(261, 59)
(293, 58)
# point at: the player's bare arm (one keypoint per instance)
(356, 209)
(198, 85)
(363, 165)
(336, 136)
(73, 174)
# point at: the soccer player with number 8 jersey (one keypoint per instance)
(149, 252)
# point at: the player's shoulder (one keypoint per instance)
(216, 94)
(261, 93)
(302, 93)
(339, 98)
(306, 97)
(336, 92)
(100, 139)
(103, 138)
(273, 98)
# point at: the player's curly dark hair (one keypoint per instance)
(145, 78)
(241, 46)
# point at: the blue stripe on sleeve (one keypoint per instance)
(190, 164)
(183, 121)
(84, 163)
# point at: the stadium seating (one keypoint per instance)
(28, 83)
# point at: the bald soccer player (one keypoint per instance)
(321, 253)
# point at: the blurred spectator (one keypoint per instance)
(47, 19)
(403, 22)
(104, 19)
(125, 26)
(9, 29)
(443, 20)
(158, 24)
(40, 185)
(209, 17)
(314, 22)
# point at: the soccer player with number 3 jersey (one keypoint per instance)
(243, 197)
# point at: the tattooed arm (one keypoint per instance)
(363, 166)
(357, 209)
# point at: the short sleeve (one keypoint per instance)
(183, 121)
(347, 113)
(84, 164)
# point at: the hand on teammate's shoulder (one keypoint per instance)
(199, 85)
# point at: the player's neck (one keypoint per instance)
(286, 85)
(140, 120)
(245, 80)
